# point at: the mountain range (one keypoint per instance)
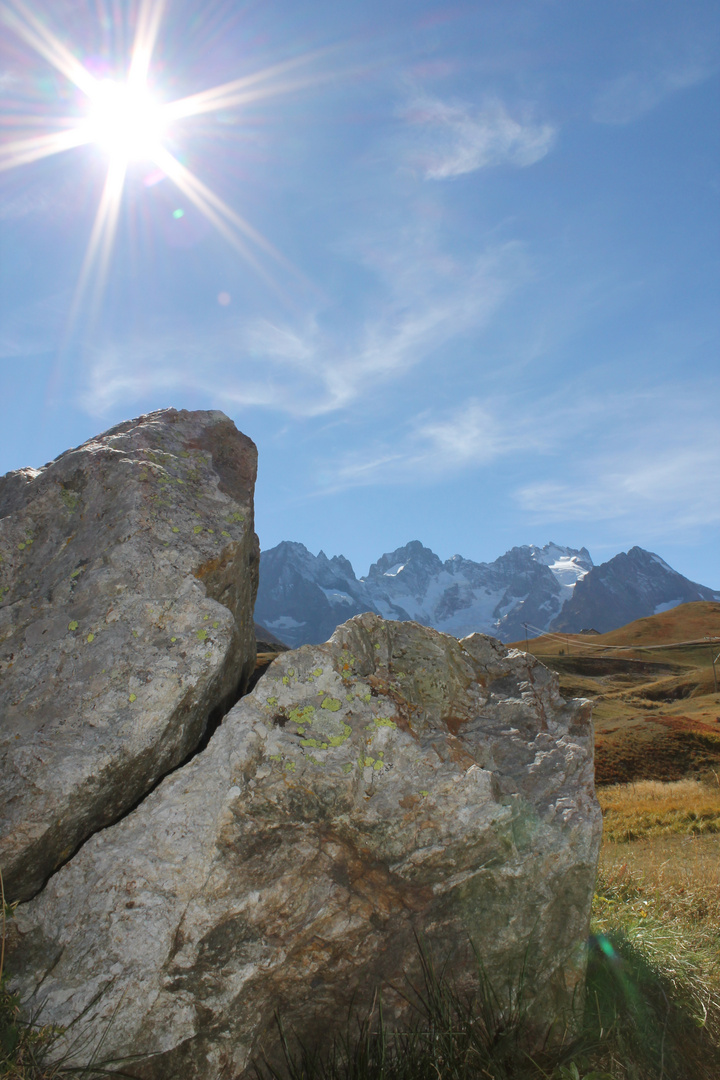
(302, 597)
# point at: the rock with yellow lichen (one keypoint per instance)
(392, 782)
(128, 573)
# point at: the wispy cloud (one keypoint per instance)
(430, 447)
(306, 369)
(657, 470)
(630, 96)
(452, 138)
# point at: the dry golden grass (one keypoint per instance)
(653, 808)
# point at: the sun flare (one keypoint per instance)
(125, 121)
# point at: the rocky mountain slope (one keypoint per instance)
(302, 597)
(629, 586)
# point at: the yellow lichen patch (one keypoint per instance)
(383, 721)
(301, 716)
(173, 639)
(201, 635)
(73, 625)
(90, 638)
(275, 757)
(175, 529)
(198, 529)
(348, 768)
(290, 766)
(330, 703)
(215, 625)
(317, 672)
(133, 697)
(377, 766)
(309, 742)
(272, 700)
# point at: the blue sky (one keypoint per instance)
(486, 314)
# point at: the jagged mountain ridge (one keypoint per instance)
(302, 597)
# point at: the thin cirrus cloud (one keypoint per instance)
(471, 436)
(661, 475)
(630, 96)
(453, 138)
(305, 369)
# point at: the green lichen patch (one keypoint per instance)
(235, 519)
(90, 638)
(331, 704)
(290, 766)
(133, 697)
(175, 529)
(338, 740)
(384, 721)
(197, 529)
(275, 757)
(271, 700)
(301, 716)
(73, 624)
(202, 635)
(348, 767)
(70, 499)
(317, 672)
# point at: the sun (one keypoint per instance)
(126, 121)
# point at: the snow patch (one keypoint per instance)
(285, 622)
(336, 596)
(668, 606)
(394, 570)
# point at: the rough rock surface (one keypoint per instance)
(128, 573)
(392, 780)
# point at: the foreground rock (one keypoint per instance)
(128, 572)
(390, 782)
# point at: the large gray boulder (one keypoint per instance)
(128, 573)
(391, 782)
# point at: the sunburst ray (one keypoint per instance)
(36, 34)
(93, 274)
(23, 151)
(148, 27)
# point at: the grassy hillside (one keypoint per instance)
(656, 709)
